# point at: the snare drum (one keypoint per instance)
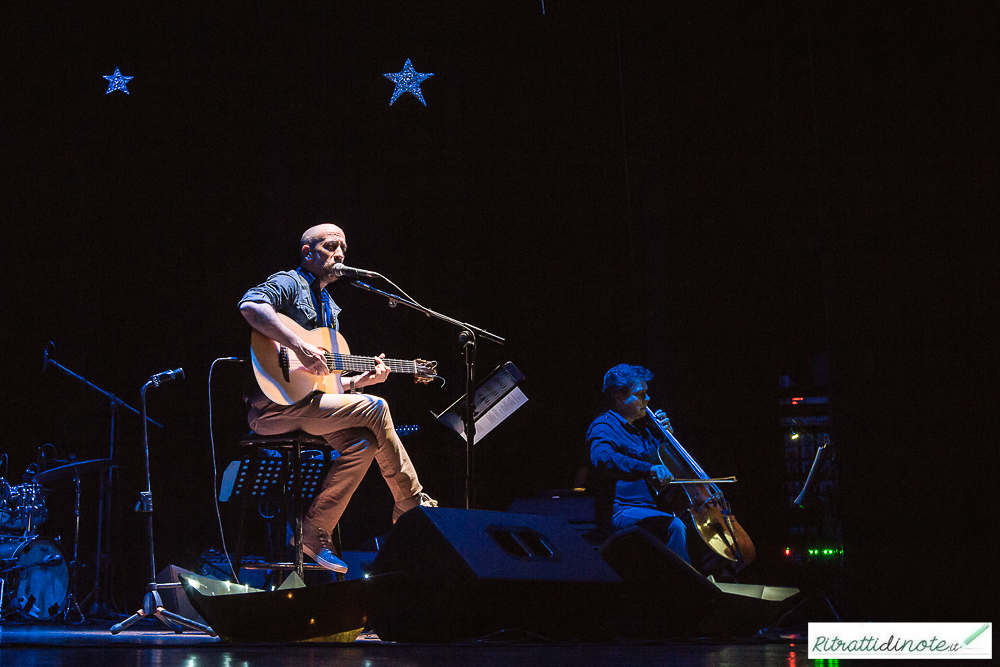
(22, 507)
(35, 577)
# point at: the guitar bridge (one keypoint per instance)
(283, 362)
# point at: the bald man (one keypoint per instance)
(356, 425)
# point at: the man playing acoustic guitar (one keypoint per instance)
(356, 425)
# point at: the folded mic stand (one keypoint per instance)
(152, 605)
(468, 340)
(99, 607)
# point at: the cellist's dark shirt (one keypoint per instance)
(626, 452)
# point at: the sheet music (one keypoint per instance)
(500, 411)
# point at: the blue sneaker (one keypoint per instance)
(323, 553)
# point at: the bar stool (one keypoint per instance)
(289, 476)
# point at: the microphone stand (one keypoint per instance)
(468, 340)
(152, 604)
(800, 501)
(100, 607)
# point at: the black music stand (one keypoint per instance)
(261, 476)
(490, 394)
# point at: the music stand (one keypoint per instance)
(263, 475)
(497, 397)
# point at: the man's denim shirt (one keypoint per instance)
(291, 293)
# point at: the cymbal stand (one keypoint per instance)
(100, 607)
(71, 603)
(152, 604)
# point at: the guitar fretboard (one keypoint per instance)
(349, 362)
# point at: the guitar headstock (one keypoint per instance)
(426, 371)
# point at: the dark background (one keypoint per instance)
(718, 192)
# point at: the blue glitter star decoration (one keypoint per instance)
(407, 81)
(117, 82)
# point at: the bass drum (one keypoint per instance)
(35, 577)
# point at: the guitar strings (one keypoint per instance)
(341, 362)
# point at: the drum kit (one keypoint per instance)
(36, 581)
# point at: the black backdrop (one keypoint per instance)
(719, 193)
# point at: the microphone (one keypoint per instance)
(341, 270)
(48, 561)
(167, 376)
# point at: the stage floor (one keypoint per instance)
(92, 645)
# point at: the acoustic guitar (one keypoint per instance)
(284, 379)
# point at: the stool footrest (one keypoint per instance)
(281, 566)
(287, 439)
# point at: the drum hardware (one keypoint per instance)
(22, 507)
(73, 470)
(103, 602)
(34, 577)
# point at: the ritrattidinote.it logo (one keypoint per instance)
(900, 640)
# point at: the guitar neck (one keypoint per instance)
(350, 362)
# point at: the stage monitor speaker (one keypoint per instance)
(330, 612)
(664, 597)
(449, 574)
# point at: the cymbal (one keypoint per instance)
(71, 470)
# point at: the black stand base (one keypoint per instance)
(98, 608)
(152, 606)
(71, 607)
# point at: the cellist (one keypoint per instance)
(623, 450)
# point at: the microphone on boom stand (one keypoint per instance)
(167, 376)
(340, 270)
(152, 604)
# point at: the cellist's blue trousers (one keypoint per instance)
(666, 527)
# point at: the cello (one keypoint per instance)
(702, 502)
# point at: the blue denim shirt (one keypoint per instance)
(292, 293)
(626, 453)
